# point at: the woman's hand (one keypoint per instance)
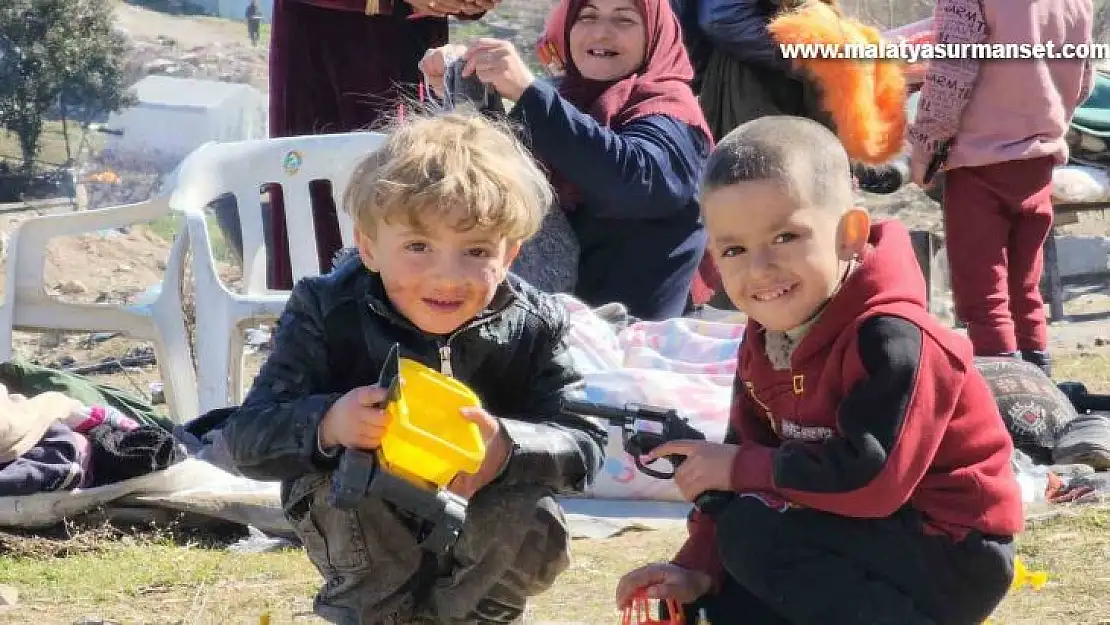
(475, 7)
(434, 64)
(443, 8)
(435, 8)
(498, 64)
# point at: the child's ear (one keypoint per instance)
(854, 230)
(511, 252)
(366, 250)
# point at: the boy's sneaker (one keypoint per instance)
(1041, 359)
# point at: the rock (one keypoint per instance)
(9, 596)
(157, 393)
(157, 65)
(50, 339)
(71, 287)
(257, 336)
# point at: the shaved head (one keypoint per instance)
(803, 157)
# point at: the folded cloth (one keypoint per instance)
(85, 418)
(59, 461)
(1085, 440)
(30, 380)
(119, 455)
(204, 440)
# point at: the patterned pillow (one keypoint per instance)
(1034, 409)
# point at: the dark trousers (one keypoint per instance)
(513, 545)
(996, 220)
(808, 567)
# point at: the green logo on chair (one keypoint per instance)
(292, 162)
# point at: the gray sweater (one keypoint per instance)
(549, 260)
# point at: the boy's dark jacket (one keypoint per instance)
(334, 336)
(882, 408)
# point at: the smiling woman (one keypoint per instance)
(623, 139)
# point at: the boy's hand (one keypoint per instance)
(663, 581)
(434, 65)
(357, 420)
(497, 452)
(708, 466)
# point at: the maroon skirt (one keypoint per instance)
(335, 69)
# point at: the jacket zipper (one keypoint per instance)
(766, 409)
(445, 347)
(445, 359)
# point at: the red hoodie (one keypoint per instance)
(882, 407)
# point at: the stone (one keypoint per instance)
(9, 596)
(71, 287)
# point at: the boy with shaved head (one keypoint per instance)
(870, 465)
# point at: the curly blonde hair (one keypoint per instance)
(459, 169)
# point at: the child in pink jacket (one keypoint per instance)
(996, 127)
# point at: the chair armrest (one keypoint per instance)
(26, 254)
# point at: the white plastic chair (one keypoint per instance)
(27, 305)
(241, 169)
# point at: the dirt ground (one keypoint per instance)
(188, 31)
(101, 576)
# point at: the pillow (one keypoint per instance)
(1034, 409)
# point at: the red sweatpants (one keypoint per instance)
(996, 220)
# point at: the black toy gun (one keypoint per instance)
(938, 160)
(644, 428)
(361, 475)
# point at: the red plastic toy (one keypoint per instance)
(638, 612)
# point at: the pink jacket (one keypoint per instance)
(1003, 110)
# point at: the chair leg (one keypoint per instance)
(1052, 274)
(235, 371)
(7, 335)
(172, 350)
(214, 365)
(178, 377)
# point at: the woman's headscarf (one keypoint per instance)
(660, 87)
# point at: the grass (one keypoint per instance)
(52, 147)
(168, 227)
(1074, 548)
(161, 578)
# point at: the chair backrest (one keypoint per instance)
(245, 169)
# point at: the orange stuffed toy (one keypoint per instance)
(865, 98)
